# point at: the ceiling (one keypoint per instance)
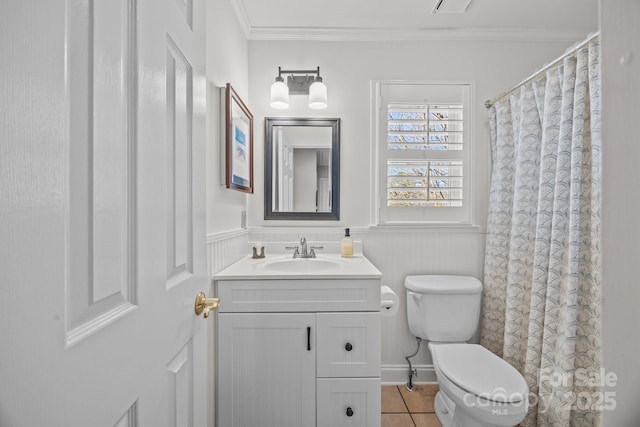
(413, 19)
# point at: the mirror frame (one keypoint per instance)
(334, 124)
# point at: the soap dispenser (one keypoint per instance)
(346, 248)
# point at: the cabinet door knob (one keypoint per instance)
(349, 412)
(348, 347)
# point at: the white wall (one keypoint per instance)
(227, 62)
(620, 30)
(348, 69)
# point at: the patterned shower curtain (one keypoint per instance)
(542, 284)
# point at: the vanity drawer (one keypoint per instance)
(270, 296)
(348, 344)
(352, 402)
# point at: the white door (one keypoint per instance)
(102, 234)
(324, 195)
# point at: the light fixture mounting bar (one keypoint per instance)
(299, 81)
(451, 6)
(316, 71)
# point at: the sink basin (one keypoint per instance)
(302, 265)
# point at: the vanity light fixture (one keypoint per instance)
(299, 82)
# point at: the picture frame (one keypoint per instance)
(238, 142)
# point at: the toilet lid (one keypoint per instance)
(476, 370)
(450, 285)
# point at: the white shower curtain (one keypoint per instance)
(542, 283)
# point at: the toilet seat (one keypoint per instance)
(476, 370)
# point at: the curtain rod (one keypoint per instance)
(591, 37)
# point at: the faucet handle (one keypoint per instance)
(313, 250)
(296, 251)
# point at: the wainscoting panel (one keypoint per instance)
(399, 252)
(415, 252)
(223, 249)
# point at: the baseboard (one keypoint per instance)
(399, 374)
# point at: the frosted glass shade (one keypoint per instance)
(318, 96)
(279, 95)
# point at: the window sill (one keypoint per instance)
(449, 227)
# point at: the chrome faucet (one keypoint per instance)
(302, 251)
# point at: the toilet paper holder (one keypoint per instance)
(389, 301)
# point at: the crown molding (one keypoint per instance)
(378, 34)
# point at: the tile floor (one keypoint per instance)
(403, 408)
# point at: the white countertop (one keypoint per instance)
(283, 266)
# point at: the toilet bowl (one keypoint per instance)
(477, 388)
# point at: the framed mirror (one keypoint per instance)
(302, 169)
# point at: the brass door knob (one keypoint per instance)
(203, 304)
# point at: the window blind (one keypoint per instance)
(424, 145)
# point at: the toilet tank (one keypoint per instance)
(443, 308)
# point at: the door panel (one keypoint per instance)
(181, 387)
(103, 228)
(179, 75)
(100, 227)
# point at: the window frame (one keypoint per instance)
(443, 216)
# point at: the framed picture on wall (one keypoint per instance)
(239, 142)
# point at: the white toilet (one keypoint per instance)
(477, 388)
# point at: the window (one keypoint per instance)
(423, 151)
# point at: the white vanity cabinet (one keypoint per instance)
(298, 352)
